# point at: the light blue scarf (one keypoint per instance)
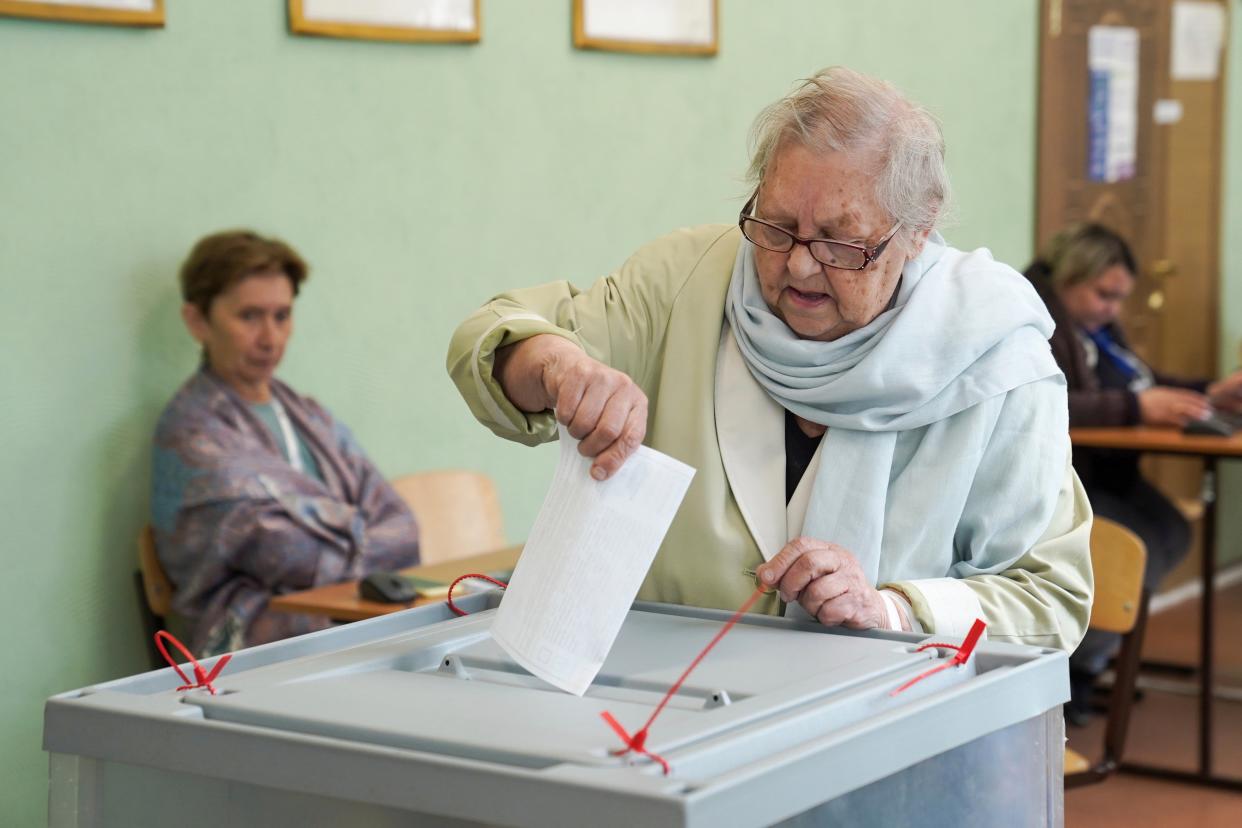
(932, 372)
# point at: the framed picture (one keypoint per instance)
(669, 27)
(442, 21)
(114, 12)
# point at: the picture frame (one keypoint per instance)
(656, 27)
(149, 13)
(413, 21)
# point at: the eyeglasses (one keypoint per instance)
(841, 255)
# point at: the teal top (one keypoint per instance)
(267, 413)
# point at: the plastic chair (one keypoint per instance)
(1118, 557)
(155, 592)
(458, 513)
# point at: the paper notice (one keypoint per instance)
(1198, 38)
(1167, 111)
(1112, 105)
(586, 557)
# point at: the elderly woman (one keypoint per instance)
(877, 422)
(257, 489)
(1084, 275)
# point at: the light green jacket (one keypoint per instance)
(660, 319)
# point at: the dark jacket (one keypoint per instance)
(1097, 397)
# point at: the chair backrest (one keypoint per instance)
(155, 584)
(458, 513)
(1118, 557)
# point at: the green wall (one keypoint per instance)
(1229, 540)
(417, 180)
(1231, 217)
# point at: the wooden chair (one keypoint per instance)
(155, 592)
(1118, 557)
(458, 513)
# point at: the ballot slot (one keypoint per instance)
(414, 650)
(604, 687)
(489, 722)
(801, 711)
(453, 691)
(831, 717)
(485, 721)
(375, 731)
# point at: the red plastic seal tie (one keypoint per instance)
(962, 655)
(638, 742)
(458, 610)
(201, 676)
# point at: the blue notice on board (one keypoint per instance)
(1097, 126)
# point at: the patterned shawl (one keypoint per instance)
(235, 524)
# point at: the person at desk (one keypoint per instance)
(257, 489)
(1084, 275)
(876, 419)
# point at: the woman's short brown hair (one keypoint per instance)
(221, 260)
(1081, 252)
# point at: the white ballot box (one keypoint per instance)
(419, 718)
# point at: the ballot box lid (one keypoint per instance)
(424, 691)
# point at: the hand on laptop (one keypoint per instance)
(1226, 394)
(1163, 406)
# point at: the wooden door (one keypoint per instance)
(1066, 192)
(1188, 270)
(1169, 210)
(1187, 274)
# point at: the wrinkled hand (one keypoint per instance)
(1226, 394)
(827, 581)
(1161, 406)
(600, 406)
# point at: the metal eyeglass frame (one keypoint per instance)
(869, 254)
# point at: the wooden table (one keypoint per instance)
(341, 602)
(1211, 449)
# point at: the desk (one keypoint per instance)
(340, 602)
(1210, 449)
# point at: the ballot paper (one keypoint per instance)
(585, 558)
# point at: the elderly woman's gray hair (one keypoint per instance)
(842, 110)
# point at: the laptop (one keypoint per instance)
(1220, 424)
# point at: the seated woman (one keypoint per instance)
(1084, 275)
(877, 421)
(257, 490)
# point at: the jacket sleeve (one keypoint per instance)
(1044, 598)
(1166, 380)
(235, 539)
(620, 321)
(1172, 381)
(1030, 586)
(1089, 405)
(1103, 407)
(390, 534)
